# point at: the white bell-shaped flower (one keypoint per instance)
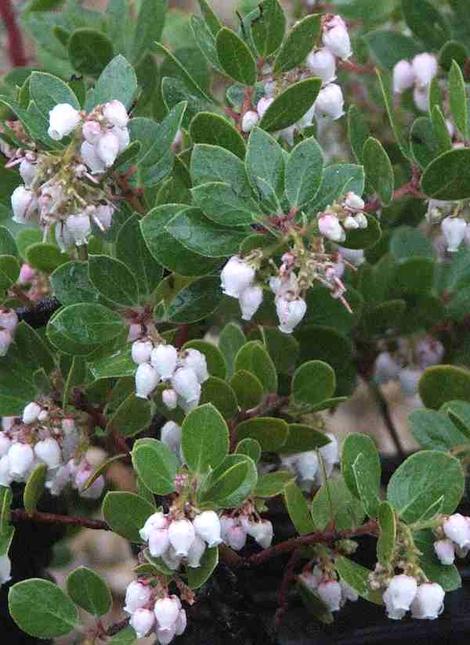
(137, 596)
(262, 532)
(115, 113)
(28, 172)
(263, 104)
(350, 223)
(330, 451)
(141, 351)
(31, 412)
(196, 360)
(5, 341)
(107, 148)
(142, 621)
(425, 68)
(428, 602)
(155, 521)
(336, 37)
(236, 276)
(361, 220)
(158, 542)
(48, 451)
(330, 102)
(330, 227)
(331, 593)
(445, 551)
(457, 528)
(5, 474)
(195, 553)
(170, 558)
(91, 131)
(166, 611)
(8, 319)
(103, 216)
(146, 380)
(399, 595)
(249, 120)
(207, 526)
(165, 636)
(79, 227)
(164, 359)
(353, 202)
(5, 569)
(91, 158)
(403, 76)
(181, 622)
(421, 98)
(250, 300)
(454, 230)
(5, 443)
(22, 203)
(290, 313)
(306, 464)
(186, 384)
(63, 119)
(181, 534)
(169, 398)
(21, 457)
(322, 64)
(170, 435)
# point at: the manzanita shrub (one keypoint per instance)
(211, 234)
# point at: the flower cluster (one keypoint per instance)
(8, 323)
(151, 608)
(236, 526)
(454, 538)
(453, 219)
(418, 75)
(403, 593)
(347, 215)
(68, 188)
(311, 466)
(322, 580)
(182, 373)
(45, 435)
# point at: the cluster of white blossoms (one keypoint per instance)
(44, 435)
(68, 189)
(152, 609)
(8, 323)
(453, 220)
(323, 582)
(403, 594)
(418, 75)
(236, 527)
(310, 467)
(182, 372)
(454, 538)
(343, 216)
(407, 363)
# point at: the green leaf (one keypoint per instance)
(291, 105)
(116, 365)
(223, 205)
(271, 433)
(426, 22)
(198, 576)
(228, 485)
(407, 242)
(210, 17)
(459, 412)
(250, 448)
(9, 271)
(362, 477)
(304, 170)
(89, 591)
(265, 166)
(414, 486)
(216, 164)
(254, 358)
(267, 29)
(5, 503)
(204, 438)
(385, 89)
(434, 430)
(132, 416)
(414, 275)
(45, 257)
(272, 484)
(335, 503)
(126, 513)
(185, 79)
(8, 246)
(298, 509)
(313, 382)
(71, 284)
(458, 99)
(89, 51)
(218, 392)
(443, 383)
(378, 169)
(213, 129)
(113, 280)
(41, 609)
(133, 251)
(155, 464)
(82, 328)
(248, 389)
(33, 348)
(149, 27)
(116, 81)
(302, 437)
(338, 179)
(387, 536)
(448, 176)
(34, 487)
(195, 302)
(358, 131)
(235, 57)
(357, 577)
(126, 636)
(423, 140)
(388, 47)
(300, 41)
(47, 91)
(231, 339)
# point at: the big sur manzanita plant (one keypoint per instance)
(201, 256)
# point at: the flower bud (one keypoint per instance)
(290, 313)
(195, 360)
(454, 229)
(181, 534)
(49, 452)
(399, 595)
(361, 220)
(330, 102)
(5, 474)
(146, 380)
(165, 636)
(21, 457)
(186, 384)
(330, 451)
(262, 532)
(322, 63)
(164, 359)
(170, 399)
(196, 552)
(350, 223)
(91, 131)
(137, 596)
(263, 105)
(91, 158)
(236, 276)
(428, 602)
(421, 98)
(336, 38)
(8, 319)
(207, 526)
(22, 203)
(5, 569)
(63, 118)
(158, 542)
(27, 274)
(250, 300)
(181, 622)
(330, 592)
(153, 522)
(386, 368)
(409, 378)
(306, 464)
(249, 120)
(445, 551)
(233, 533)
(123, 137)
(424, 68)
(142, 621)
(27, 172)
(457, 528)
(107, 148)
(115, 113)
(330, 227)
(353, 202)
(31, 412)
(5, 443)
(79, 227)
(141, 351)
(403, 76)
(166, 611)
(170, 435)
(429, 351)
(103, 216)
(5, 341)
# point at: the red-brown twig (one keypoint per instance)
(410, 188)
(20, 515)
(283, 592)
(15, 46)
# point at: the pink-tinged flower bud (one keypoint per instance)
(91, 158)
(386, 368)
(350, 223)
(103, 216)
(93, 491)
(48, 451)
(361, 220)
(123, 137)
(322, 64)
(181, 534)
(186, 384)
(137, 596)
(336, 38)
(290, 313)
(306, 464)
(135, 331)
(195, 553)
(409, 379)
(142, 621)
(399, 595)
(152, 523)
(353, 202)
(249, 120)
(236, 276)
(91, 131)
(141, 351)
(5, 341)
(457, 528)
(115, 113)
(170, 399)
(166, 611)
(330, 102)
(429, 351)
(164, 359)
(27, 274)
(421, 98)
(27, 172)
(262, 532)
(158, 542)
(347, 592)
(43, 415)
(181, 622)
(445, 551)
(428, 602)
(403, 76)
(309, 580)
(170, 435)
(330, 227)
(424, 68)
(234, 534)
(63, 118)
(5, 443)
(454, 229)
(171, 560)
(165, 636)
(107, 148)
(21, 457)
(207, 526)
(31, 412)
(263, 105)
(353, 256)
(5, 569)
(22, 204)
(5, 474)
(146, 380)
(250, 300)
(330, 593)
(79, 227)
(8, 423)
(60, 480)
(195, 360)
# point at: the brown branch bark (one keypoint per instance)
(20, 515)
(15, 44)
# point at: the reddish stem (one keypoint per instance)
(20, 515)
(16, 50)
